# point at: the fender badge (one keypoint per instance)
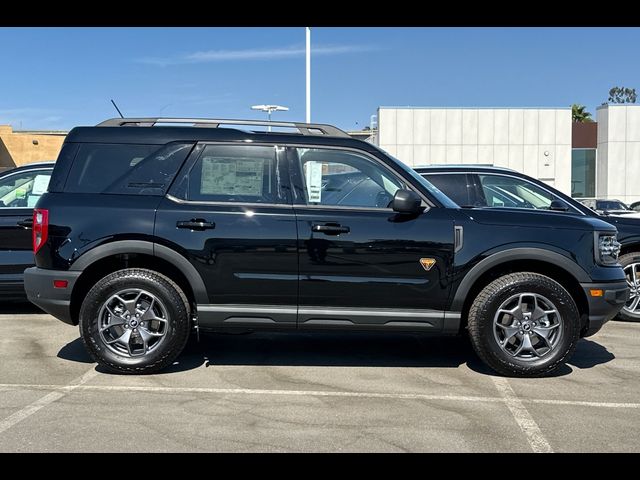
(427, 263)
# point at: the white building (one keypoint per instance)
(534, 141)
(618, 157)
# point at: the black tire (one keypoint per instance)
(177, 327)
(486, 304)
(626, 260)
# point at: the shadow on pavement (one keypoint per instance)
(75, 352)
(588, 354)
(339, 349)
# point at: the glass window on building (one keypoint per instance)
(583, 172)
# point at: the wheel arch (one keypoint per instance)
(544, 262)
(118, 255)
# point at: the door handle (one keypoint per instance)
(26, 223)
(330, 229)
(195, 224)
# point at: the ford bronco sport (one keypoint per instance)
(148, 232)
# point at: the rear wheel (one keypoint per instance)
(631, 265)
(524, 324)
(135, 321)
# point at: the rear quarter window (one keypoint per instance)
(125, 168)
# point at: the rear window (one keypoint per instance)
(125, 169)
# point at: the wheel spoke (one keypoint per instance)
(545, 333)
(525, 346)
(634, 304)
(115, 322)
(509, 332)
(635, 275)
(146, 333)
(124, 338)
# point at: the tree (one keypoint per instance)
(579, 114)
(622, 95)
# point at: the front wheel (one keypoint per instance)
(524, 324)
(631, 265)
(134, 321)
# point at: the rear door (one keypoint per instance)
(230, 214)
(19, 192)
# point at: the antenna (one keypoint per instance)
(119, 112)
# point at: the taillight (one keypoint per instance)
(40, 228)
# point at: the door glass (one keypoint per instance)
(455, 186)
(512, 192)
(23, 190)
(341, 178)
(243, 174)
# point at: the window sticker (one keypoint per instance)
(40, 184)
(232, 177)
(32, 200)
(314, 181)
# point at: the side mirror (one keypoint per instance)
(406, 201)
(558, 206)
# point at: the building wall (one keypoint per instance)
(20, 148)
(534, 141)
(618, 164)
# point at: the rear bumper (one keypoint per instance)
(603, 308)
(38, 284)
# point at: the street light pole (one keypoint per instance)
(308, 75)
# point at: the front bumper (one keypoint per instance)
(603, 308)
(38, 283)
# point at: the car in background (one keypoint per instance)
(481, 187)
(608, 207)
(20, 189)
(635, 206)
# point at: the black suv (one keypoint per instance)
(474, 186)
(148, 232)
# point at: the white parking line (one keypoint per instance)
(33, 407)
(311, 393)
(523, 418)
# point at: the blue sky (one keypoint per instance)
(56, 78)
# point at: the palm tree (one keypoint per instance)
(579, 114)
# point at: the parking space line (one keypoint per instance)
(523, 418)
(33, 407)
(317, 393)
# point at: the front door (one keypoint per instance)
(230, 214)
(362, 265)
(19, 192)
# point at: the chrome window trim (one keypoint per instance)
(223, 204)
(425, 200)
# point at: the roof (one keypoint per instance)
(465, 167)
(164, 134)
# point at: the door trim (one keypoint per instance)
(320, 317)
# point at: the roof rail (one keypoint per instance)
(303, 128)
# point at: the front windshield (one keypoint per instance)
(431, 188)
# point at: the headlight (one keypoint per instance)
(606, 248)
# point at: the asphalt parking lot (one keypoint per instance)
(312, 392)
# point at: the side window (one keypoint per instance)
(341, 178)
(23, 190)
(456, 186)
(502, 191)
(242, 174)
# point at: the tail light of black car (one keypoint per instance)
(40, 228)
